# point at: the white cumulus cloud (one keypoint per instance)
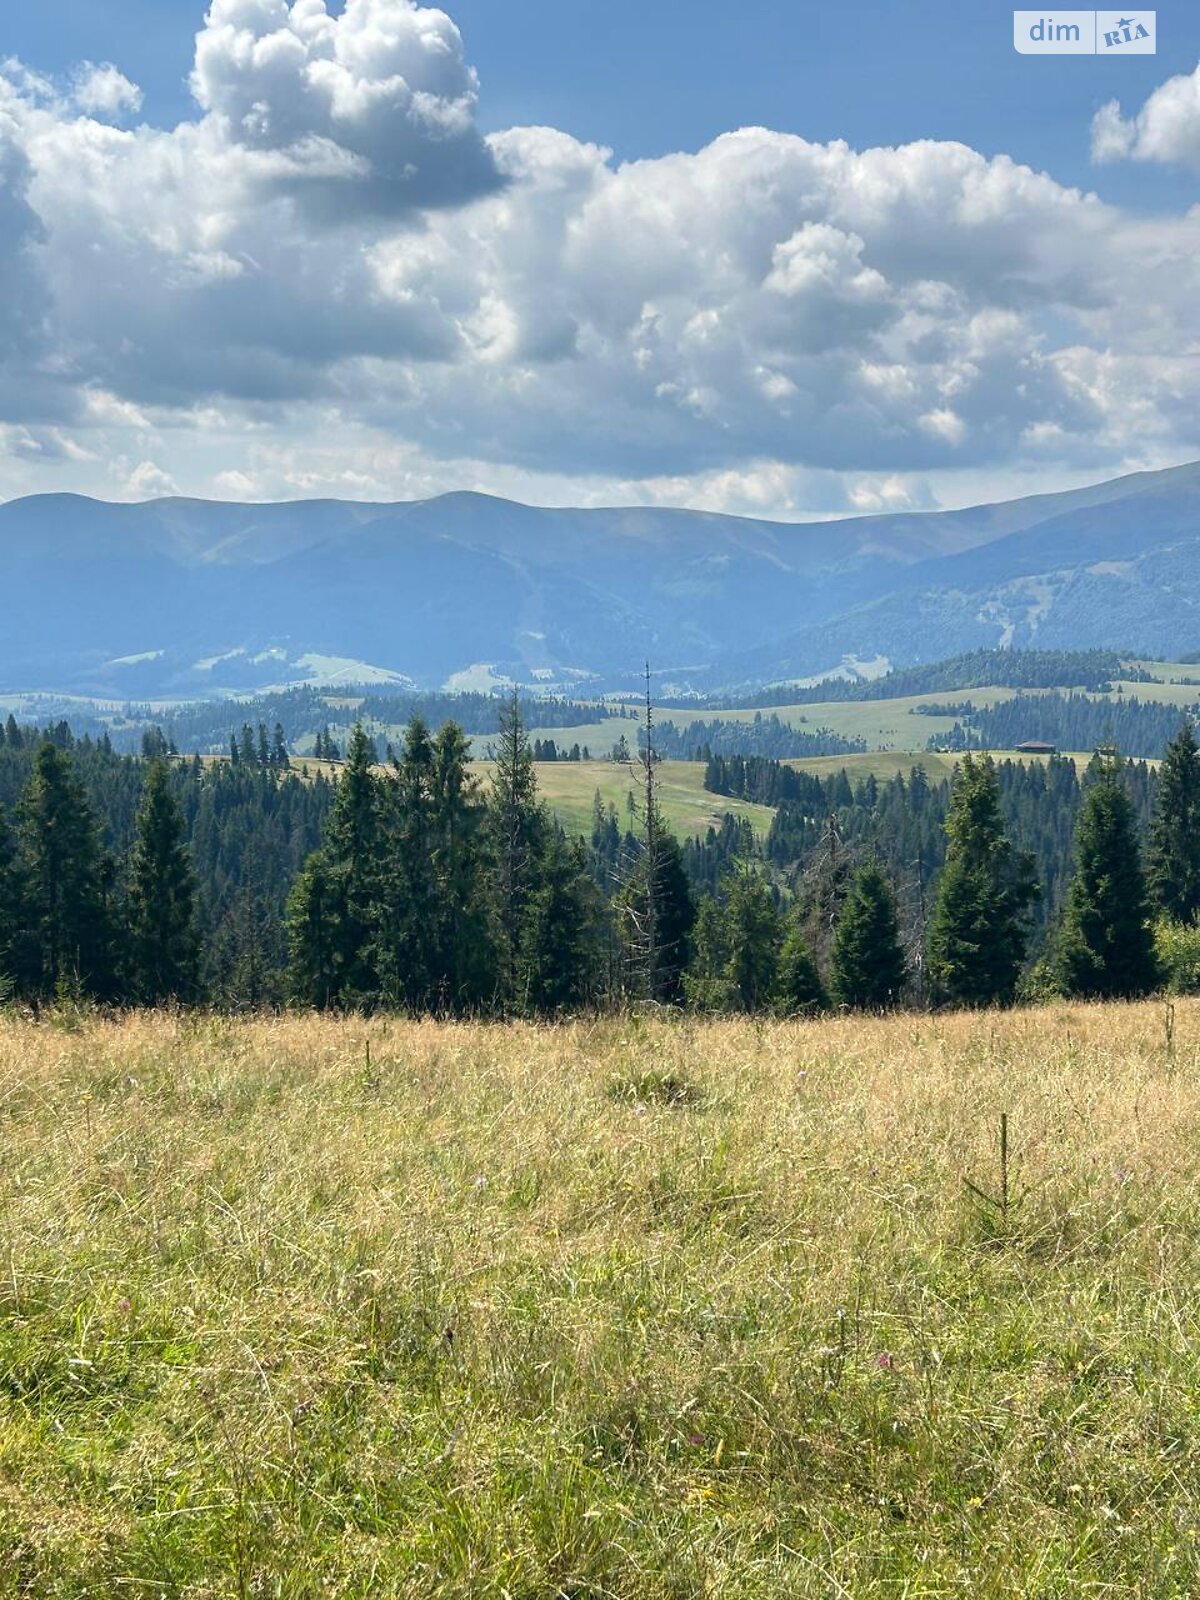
(328, 281)
(373, 109)
(1167, 128)
(104, 91)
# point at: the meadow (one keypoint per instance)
(627, 1307)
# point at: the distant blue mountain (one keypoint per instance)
(186, 598)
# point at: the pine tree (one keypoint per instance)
(67, 877)
(334, 912)
(462, 937)
(1106, 946)
(409, 903)
(517, 828)
(15, 952)
(799, 990)
(163, 952)
(279, 750)
(978, 935)
(560, 951)
(754, 937)
(869, 970)
(656, 906)
(706, 984)
(313, 920)
(1173, 868)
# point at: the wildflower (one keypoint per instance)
(885, 1360)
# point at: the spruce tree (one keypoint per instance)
(1173, 867)
(754, 937)
(334, 913)
(517, 828)
(408, 904)
(869, 970)
(560, 950)
(462, 936)
(15, 951)
(706, 984)
(163, 950)
(799, 990)
(67, 877)
(978, 935)
(313, 923)
(1106, 945)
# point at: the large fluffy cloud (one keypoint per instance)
(329, 280)
(372, 109)
(1167, 128)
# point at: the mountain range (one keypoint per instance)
(183, 599)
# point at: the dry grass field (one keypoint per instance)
(623, 1308)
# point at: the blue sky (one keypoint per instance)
(445, 306)
(651, 78)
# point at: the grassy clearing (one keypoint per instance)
(885, 764)
(569, 788)
(635, 1309)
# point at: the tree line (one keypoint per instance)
(417, 887)
(1095, 670)
(1069, 721)
(767, 736)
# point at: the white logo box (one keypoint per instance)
(1085, 33)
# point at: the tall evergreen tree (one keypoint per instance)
(561, 950)
(462, 936)
(754, 934)
(1106, 946)
(333, 917)
(1174, 859)
(799, 990)
(68, 879)
(517, 828)
(408, 906)
(313, 918)
(15, 952)
(869, 970)
(978, 935)
(656, 887)
(163, 951)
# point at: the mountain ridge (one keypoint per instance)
(148, 596)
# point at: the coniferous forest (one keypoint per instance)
(413, 884)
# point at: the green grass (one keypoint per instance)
(569, 787)
(653, 1310)
(885, 764)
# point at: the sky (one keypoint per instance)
(780, 260)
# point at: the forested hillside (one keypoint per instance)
(1068, 721)
(417, 886)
